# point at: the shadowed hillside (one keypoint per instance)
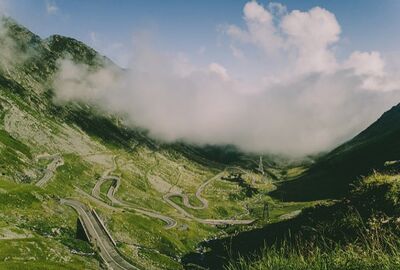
(332, 174)
(358, 232)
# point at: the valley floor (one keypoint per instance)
(156, 209)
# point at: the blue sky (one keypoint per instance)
(191, 26)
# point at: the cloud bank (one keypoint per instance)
(306, 101)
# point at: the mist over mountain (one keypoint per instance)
(307, 101)
(334, 173)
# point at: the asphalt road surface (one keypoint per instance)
(204, 202)
(99, 237)
(50, 169)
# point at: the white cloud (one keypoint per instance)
(372, 68)
(51, 7)
(305, 101)
(10, 52)
(256, 13)
(366, 63)
(219, 71)
(301, 37)
(260, 28)
(310, 34)
(307, 115)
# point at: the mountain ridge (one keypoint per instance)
(333, 173)
(88, 144)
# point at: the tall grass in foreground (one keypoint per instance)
(361, 232)
(375, 249)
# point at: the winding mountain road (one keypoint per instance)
(99, 237)
(185, 200)
(50, 169)
(200, 189)
(98, 234)
(170, 222)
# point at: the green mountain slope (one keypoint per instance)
(332, 174)
(157, 200)
(50, 152)
(359, 232)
